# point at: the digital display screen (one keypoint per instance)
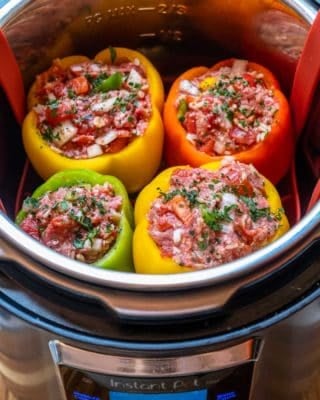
(229, 384)
(196, 395)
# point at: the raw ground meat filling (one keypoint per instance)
(79, 222)
(226, 111)
(208, 218)
(92, 108)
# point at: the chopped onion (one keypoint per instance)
(80, 257)
(228, 199)
(188, 87)
(87, 244)
(134, 77)
(39, 108)
(104, 106)
(97, 244)
(51, 97)
(239, 66)
(107, 138)
(191, 137)
(63, 133)
(219, 147)
(226, 228)
(99, 122)
(94, 150)
(76, 68)
(177, 235)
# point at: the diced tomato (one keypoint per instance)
(84, 140)
(55, 115)
(123, 133)
(180, 207)
(58, 89)
(59, 228)
(250, 79)
(117, 145)
(207, 147)
(163, 224)
(244, 189)
(30, 226)
(85, 129)
(190, 123)
(80, 85)
(242, 137)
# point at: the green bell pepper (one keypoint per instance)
(113, 82)
(119, 256)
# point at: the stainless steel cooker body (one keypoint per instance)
(278, 362)
(267, 302)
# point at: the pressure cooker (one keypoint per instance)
(248, 329)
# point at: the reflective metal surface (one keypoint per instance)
(152, 367)
(269, 30)
(288, 366)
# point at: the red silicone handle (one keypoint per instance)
(307, 76)
(11, 79)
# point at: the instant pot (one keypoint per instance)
(249, 329)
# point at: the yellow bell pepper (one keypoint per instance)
(147, 255)
(135, 164)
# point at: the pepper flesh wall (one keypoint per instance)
(189, 219)
(234, 108)
(105, 118)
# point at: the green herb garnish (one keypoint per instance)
(71, 93)
(255, 212)
(78, 243)
(30, 203)
(48, 135)
(182, 109)
(214, 218)
(113, 54)
(114, 82)
(191, 196)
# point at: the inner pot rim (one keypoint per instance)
(297, 239)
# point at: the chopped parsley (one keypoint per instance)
(48, 134)
(30, 203)
(255, 212)
(214, 218)
(96, 82)
(63, 205)
(113, 54)
(83, 220)
(78, 243)
(71, 93)
(191, 196)
(53, 106)
(229, 113)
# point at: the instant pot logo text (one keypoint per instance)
(153, 386)
(158, 386)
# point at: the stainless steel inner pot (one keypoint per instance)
(175, 35)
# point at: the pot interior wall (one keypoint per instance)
(174, 35)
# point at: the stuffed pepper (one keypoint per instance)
(190, 219)
(234, 108)
(83, 215)
(101, 114)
